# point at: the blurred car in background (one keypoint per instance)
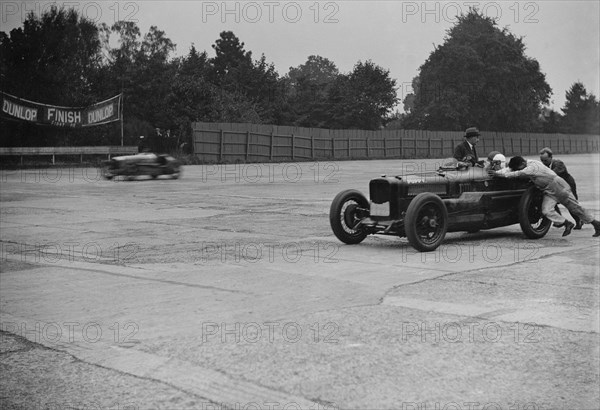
(146, 163)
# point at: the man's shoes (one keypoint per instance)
(578, 224)
(569, 227)
(596, 227)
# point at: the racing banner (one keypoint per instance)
(100, 113)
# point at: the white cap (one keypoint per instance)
(501, 158)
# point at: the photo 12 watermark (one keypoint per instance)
(268, 252)
(96, 11)
(252, 12)
(71, 174)
(473, 405)
(469, 332)
(269, 332)
(271, 173)
(87, 405)
(74, 332)
(448, 11)
(446, 91)
(476, 252)
(56, 252)
(266, 405)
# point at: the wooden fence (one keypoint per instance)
(226, 143)
(55, 151)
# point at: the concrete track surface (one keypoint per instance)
(227, 289)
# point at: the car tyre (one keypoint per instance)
(105, 170)
(346, 211)
(106, 174)
(426, 222)
(533, 223)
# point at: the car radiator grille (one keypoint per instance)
(465, 188)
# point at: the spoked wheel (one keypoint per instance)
(426, 222)
(347, 210)
(533, 223)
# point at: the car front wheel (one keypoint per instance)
(347, 210)
(426, 222)
(533, 223)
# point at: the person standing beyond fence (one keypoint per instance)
(142, 145)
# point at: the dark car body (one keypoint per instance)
(425, 207)
(147, 163)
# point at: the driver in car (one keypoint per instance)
(496, 162)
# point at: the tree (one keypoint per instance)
(479, 76)
(156, 45)
(308, 87)
(129, 43)
(362, 99)
(140, 68)
(582, 111)
(550, 121)
(250, 83)
(52, 59)
(191, 96)
(153, 74)
(231, 59)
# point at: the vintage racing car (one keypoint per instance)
(145, 163)
(424, 207)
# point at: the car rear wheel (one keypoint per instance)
(347, 210)
(106, 174)
(426, 222)
(533, 223)
(105, 170)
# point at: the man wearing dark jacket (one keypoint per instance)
(560, 169)
(466, 152)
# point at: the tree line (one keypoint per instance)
(478, 76)
(481, 75)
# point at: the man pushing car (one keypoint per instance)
(555, 189)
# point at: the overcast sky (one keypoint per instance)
(564, 36)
